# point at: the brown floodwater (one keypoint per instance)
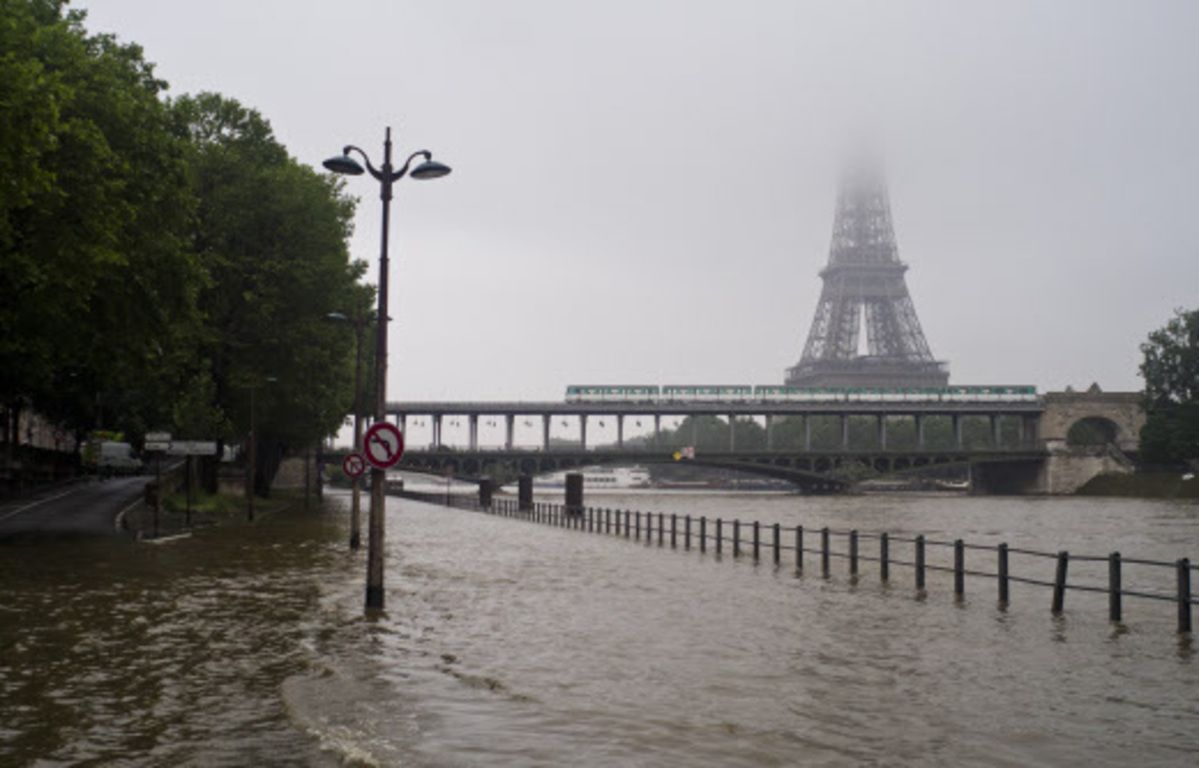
(511, 643)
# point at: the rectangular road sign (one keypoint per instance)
(157, 446)
(158, 437)
(192, 448)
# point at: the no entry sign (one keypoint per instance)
(353, 465)
(384, 445)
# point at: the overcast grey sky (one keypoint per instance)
(643, 191)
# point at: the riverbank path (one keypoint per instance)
(81, 508)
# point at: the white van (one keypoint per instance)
(117, 458)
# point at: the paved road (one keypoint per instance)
(85, 507)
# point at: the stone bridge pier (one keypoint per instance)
(1085, 434)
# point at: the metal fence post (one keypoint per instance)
(1184, 596)
(757, 540)
(703, 533)
(736, 538)
(1059, 582)
(853, 553)
(1115, 595)
(884, 557)
(824, 552)
(673, 523)
(719, 535)
(776, 543)
(959, 568)
(920, 562)
(687, 532)
(799, 548)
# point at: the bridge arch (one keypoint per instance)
(1093, 431)
(1115, 414)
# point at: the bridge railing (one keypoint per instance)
(854, 547)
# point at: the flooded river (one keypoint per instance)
(509, 643)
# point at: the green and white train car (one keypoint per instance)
(612, 394)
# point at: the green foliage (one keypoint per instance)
(162, 258)
(1170, 368)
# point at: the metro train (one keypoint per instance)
(770, 393)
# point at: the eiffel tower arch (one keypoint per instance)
(864, 287)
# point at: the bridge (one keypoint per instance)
(1027, 451)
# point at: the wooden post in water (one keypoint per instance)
(673, 525)
(649, 527)
(959, 568)
(799, 548)
(884, 557)
(757, 541)
(637, 525)
(687, 533)
(1059, 582)
(703, 533)
(607, 520)
(1184, 596)
(736, 537)
(824, 552)
(626, 523)
(920, 562)
(776, 543)
(1004, 593)
(853, 553)
(661, 528)
(1115, 609)
(719, 535)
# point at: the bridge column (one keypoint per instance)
(583, 431)
(957, 431)
(402, 424)
(546, 420)
(620, 431)
(694, 429)
(732, 433)
(1028, 430)
(994, 430)
(509, 430)
(769, 431)
(807, 433)
(845, 432)
(657, 428)
(436, 431)
(882, 431)
(920, 431)
(473, 421)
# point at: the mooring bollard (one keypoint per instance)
(920, 562)
(1115, 610)
(719, 535)
(853, 553)
(673, 520)
(703, 533)
(824, 552)
(687, 533)
(736, 538)
(776, 543)
(1059, 582)
(1184, 596)
(1003, 575)
(799, 547)
(756, 540)
(884, 557)
(959, 568)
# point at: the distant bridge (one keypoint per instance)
(1037, 461)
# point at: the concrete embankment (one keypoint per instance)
(1145, 485)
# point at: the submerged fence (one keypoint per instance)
(909, 552)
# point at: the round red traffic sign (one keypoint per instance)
(383, 445)
(353, 465)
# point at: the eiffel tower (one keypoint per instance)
(864, 284)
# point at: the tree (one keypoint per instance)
(97, 291)
(271, 234)
(1170, 368)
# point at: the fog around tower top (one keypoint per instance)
(643, 192)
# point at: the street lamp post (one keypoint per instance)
(387, 176)
(358, 322)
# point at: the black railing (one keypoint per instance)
(630, 524)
